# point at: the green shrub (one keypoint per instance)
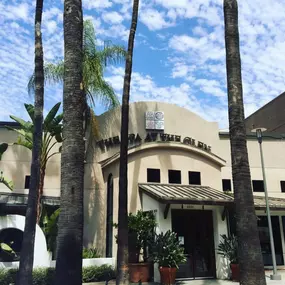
(45, 276)
(100, 273)
(8, 276)
(90, 253)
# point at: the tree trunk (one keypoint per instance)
(122, 253)
(27, 252)
(40, 192)
(250, 257)
(70, 234)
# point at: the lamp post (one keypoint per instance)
(274, 276)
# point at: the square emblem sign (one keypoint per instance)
(154, 120)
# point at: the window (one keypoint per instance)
(109, 221)
(262, 224)
(257, 185)
(227, 186)
(153, 175)
(27, 181)
(174, 176)
(194, 177)
(282, 184)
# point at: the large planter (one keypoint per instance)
(139, 272)
(235, 272)
(167, 275)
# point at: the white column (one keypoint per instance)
(282, 238)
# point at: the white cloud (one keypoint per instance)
(112, 17)
(96, 4)
(154, 19)
(51, 26)
(144, 88)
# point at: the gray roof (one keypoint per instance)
(197, 194)
(274, 203)
(22, 199)
(185, 194)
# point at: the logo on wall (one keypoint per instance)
(154, 120)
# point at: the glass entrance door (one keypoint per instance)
(195, 233)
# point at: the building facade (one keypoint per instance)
(179, 166)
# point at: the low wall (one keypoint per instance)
(85, 263)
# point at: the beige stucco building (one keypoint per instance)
(179, 166)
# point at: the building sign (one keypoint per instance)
(154, 120)
(137, 139)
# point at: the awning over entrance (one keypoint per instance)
(185, 194)
(197, 194)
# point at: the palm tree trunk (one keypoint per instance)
(70, 234)
(40, 192)
(122, 253)
(27, 251)
(250, 257)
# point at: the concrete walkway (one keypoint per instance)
(197, 282)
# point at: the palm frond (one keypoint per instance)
(27, 135)
(27, 126)
(57, 120)
(25, 143)
(89, 39)
(112, 54)
(30, 110)
(4, 181)
(104, 92)
(53, 74)
(51, 116)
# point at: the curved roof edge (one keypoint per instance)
(156, 102)
(208, 155)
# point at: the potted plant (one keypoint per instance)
(228, 248)
(168, 254)
(141, 227)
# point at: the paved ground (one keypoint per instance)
(199, 282)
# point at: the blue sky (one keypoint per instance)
(179, 52)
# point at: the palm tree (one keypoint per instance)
(24, 276)
(122, 253)
(250, 257)
(52, 134)
(95, 61)
(70, 225)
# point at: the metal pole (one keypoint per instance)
(275, 276)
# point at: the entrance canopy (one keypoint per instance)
(185, 194)
(203, 195)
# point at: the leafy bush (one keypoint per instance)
(97, 273)
(45, 276)
(166, 250)
(90, 253)
(228, 248)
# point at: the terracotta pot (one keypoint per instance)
(235, 272)
(167, 275)
(139, 272)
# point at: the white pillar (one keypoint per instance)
(282, 238)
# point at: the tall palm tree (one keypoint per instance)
(24, 276)
(52, 134)
(250, 257)
(70, 234)
(122, 253)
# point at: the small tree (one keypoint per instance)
(52, 134)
